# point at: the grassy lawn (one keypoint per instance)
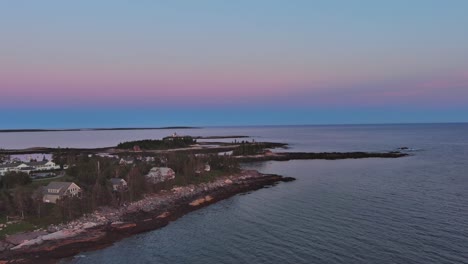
(21, 226)
(28, 224)
(44, 221)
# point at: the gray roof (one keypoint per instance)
(117, 181)
(36, 163)
(10, 165)
(61, 186)
(29, 164)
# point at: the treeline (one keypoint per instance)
(16, 194)
(190, 168)
(13, 178)
(3, 157)
(247, 148)
(156, 144)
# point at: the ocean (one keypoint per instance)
(406, 210)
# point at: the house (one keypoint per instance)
(4, 168)
(57, 190)
(126, 161)
(24, 167)
(118, 184)
(17, 167)
(28, 167)
(160, 174)
(150, 159)
(43, 165)
(201, 168)
(136, 148)
(175, 136)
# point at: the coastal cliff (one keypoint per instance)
(108, 225)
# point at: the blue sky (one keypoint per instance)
(155, 63)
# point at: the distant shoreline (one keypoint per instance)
(94, 129)
(229, 126)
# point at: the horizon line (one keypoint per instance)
(19, 130)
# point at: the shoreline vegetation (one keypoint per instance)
(204, 172)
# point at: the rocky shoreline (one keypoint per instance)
(108, 225)
(286, 156)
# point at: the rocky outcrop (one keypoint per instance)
(22, 237)
(285, 156)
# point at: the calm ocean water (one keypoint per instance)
(407, 210)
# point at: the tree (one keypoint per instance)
(4, 157)
(13, 178)
(70, 207)
(22, 200)
(37, 201)
(101, 192)
(6, 202)
(136, 184)
(59, 157)
(84, 172)
(224, 163)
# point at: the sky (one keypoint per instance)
(116, 63)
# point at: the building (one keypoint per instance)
(176, 136)
(118, 184)
(201, 168)
(57, 190)
(136, 148)
(28, 167)
(44, 165)
(4, 168)
(160, 174)
(126, 161)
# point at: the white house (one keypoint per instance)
(4, 168)
(28, 166)
(43, 165)
(127, 161)
(160, 174)
(118, 184)
(17, 167)
(58, 190)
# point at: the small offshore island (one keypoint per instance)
(98, 196)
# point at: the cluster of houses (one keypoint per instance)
(58, 190)
(28, 167)
(125, 160)
(55, 191)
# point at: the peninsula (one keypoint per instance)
(105, 194)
